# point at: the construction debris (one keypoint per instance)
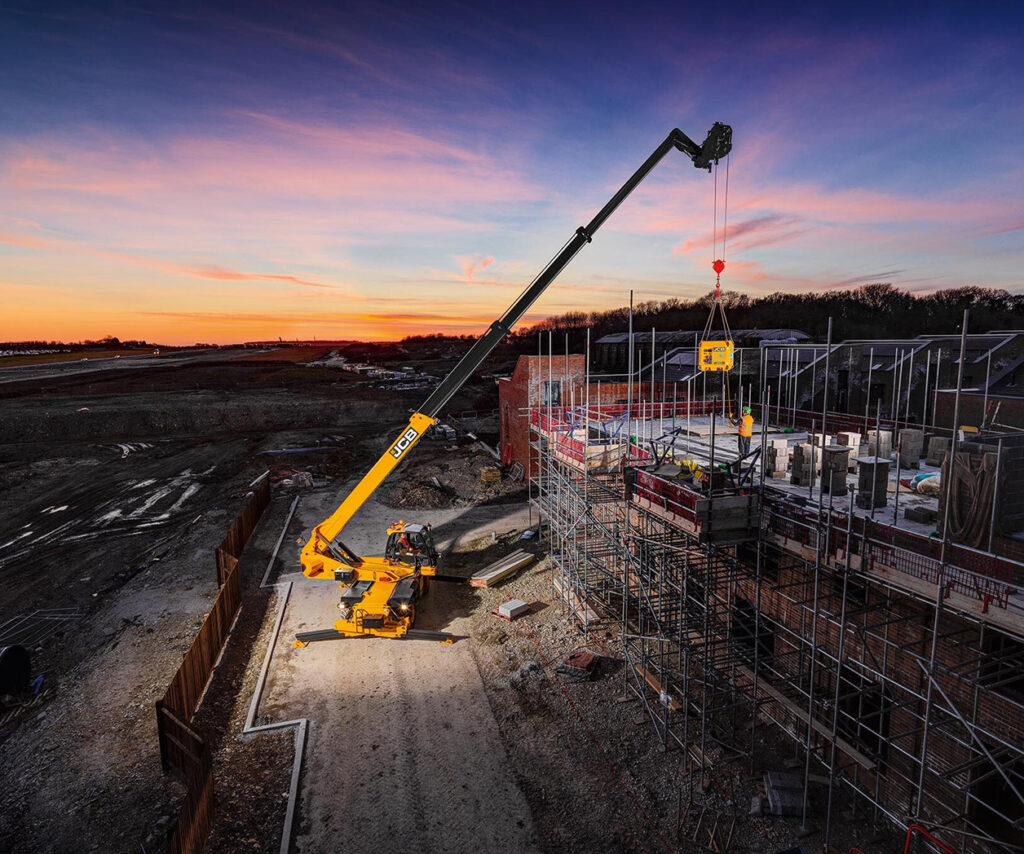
(923, 515)
(784, 791)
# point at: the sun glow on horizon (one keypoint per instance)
(369, 181)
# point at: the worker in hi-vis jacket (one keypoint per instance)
(746, 430)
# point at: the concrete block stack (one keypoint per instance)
(938, 447)
(911, 448)
(834, 468)
(777, 462)
(872, 479)
(852, 441)
(806, 464)
(921, 514)
(880, 443)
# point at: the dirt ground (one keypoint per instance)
(117, 531)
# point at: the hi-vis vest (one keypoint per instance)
(747, 426)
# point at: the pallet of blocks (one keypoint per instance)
(501, 569)
(852, 441)
(911, 448)
(776, 458)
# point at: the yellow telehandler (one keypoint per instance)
(379, 594)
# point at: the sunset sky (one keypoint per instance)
(205, 172)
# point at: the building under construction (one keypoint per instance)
(809, 588)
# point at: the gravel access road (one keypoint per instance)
(404, 751)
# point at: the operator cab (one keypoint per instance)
(411, 544)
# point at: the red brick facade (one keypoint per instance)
(525, 389)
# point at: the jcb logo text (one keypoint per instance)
(400, 447)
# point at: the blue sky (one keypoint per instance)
(213, 172)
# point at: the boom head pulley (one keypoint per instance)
(716, 145)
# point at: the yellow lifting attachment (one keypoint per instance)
(716, 355)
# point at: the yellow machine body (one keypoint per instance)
(716, 355)
(379, 582)
(374, 614)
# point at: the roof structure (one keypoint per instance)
(689, 336)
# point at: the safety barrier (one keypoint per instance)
(925, 834)
(665, 495)
(562, 417)
(183, 750)
(189, 682)
(571, 448)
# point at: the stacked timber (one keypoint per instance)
(501, 569)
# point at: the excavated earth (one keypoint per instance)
(110, 509)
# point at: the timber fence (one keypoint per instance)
(183, 749)
(230, 549)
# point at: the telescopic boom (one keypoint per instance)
(324, 538)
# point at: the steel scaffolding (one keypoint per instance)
(890, 664)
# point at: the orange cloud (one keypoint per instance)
(194, 271)
(218, 273)
(473, 265)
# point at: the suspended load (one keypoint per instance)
(716, 354)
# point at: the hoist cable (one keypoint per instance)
(714, 217)
(725, 207)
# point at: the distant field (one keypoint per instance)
(46, 358)
(289, 354)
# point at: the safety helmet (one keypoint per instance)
(746, 410)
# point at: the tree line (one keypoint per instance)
(878, 310)
(111, 342)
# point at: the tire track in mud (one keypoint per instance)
(145, 492)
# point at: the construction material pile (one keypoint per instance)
(442, 478)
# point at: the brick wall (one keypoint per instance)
(525, 390)
(893, 651)
(972, 406)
